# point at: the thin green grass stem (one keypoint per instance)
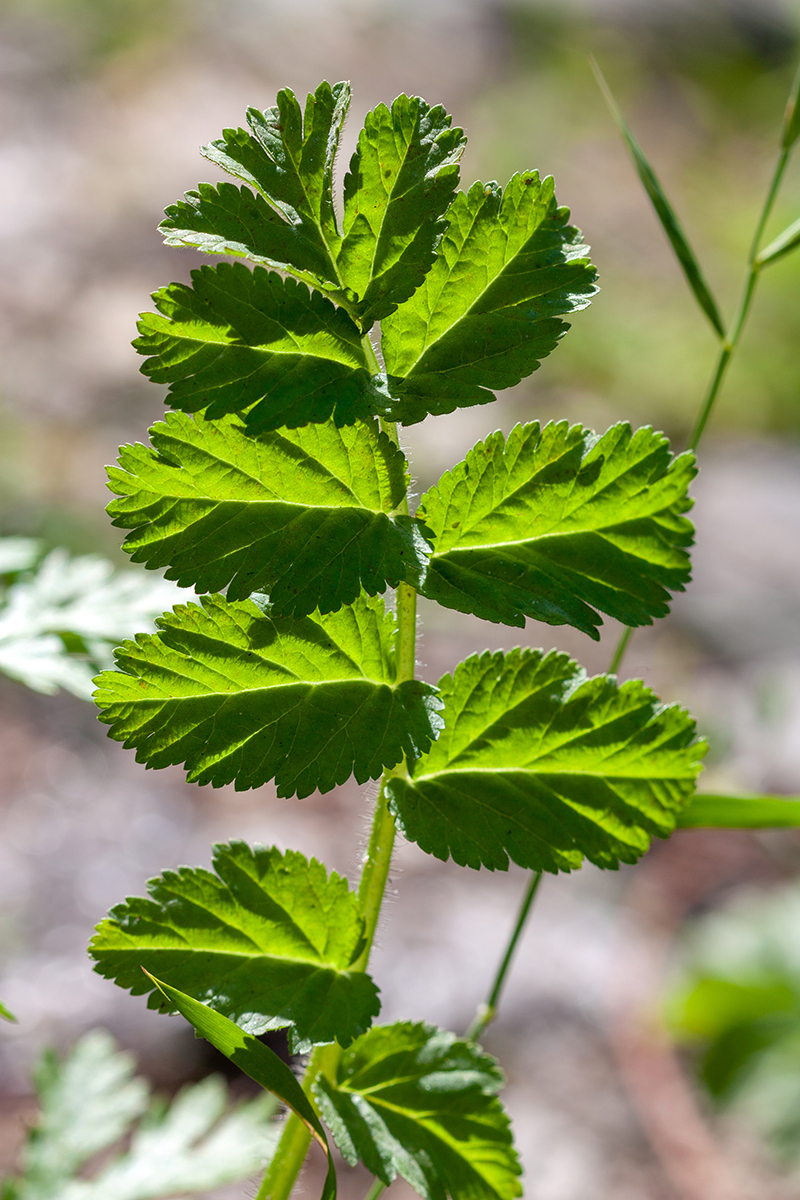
(375, 1191)
(619, 653)
(296, 1138)
(488, 1011)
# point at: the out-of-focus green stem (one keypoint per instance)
(488, 1011)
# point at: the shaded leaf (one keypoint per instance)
(664, 211)
(239, 696)
(740, 812)
(539, 764)
(90, 1100)
(301, 514)
(402, 177)
(269, 940)
(257, 1061)
(287, 158)
(416, 1101)
(508, 269)
(60, 622)
(253, 343)
(558, 523)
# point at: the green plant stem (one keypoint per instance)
(488, 1011)
(375, 1190)
(296, 1138)
(728, 346)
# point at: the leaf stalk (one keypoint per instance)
(488, 1011)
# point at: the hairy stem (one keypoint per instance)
(296, 1138)
(488, 1011)
(728, 347)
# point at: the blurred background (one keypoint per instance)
(104, 105)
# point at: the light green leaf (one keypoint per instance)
(301, 514)
(664, 211)
(559, 523)
(91, 1100)
(239, 696)
(7, 1015)
(60, 622)
(287, 157)
(416, 1101)
(542, 765)
(252, 343)
(269, 940)
(740, 812)
(402, 177)
(508, 269)
(783, 244)
(257, 1061)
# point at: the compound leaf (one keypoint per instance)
(239, 696)
(402, 178)
(489, 310)
(253, 343)
(301, 514)
(542, 765)
(557, 523)
(416, 1101)
(91, 1099)
(288, 220)
(269, 940)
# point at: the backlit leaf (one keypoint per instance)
(490, 309)
(253, 343)
(539, 764)
(269, 940)
(402, 177)
(238, 696)
(558, 523)
(302, 514)
(416, 1101)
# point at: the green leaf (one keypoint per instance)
(301, 514)
(60, 622)
(783, 244)
(559, 523)
(664, 211)
(542, 765)
(740, 812)
(508, 269)
(252, 343)
(257, 1061)
(287, 157)
(7, 1015)
(402, 177)
(416, 1101)
(91, 1100)
(239, 696)
(269, 941)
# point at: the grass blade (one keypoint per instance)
(6, 1015)
(783, 244)
(791, 121)
(664, 211)
(740, 812)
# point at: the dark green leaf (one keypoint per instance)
(740, 812)
(665, 212)
(558, 523)
(252, 343)
(416, 1101)
(508, 269)
(239, 696)
(257, 1061)
(301, 514)
(288, 158)
(402, 178)
(542, 765)
(783, 244)
(269, 940)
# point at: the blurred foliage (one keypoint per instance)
(736, 1002)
